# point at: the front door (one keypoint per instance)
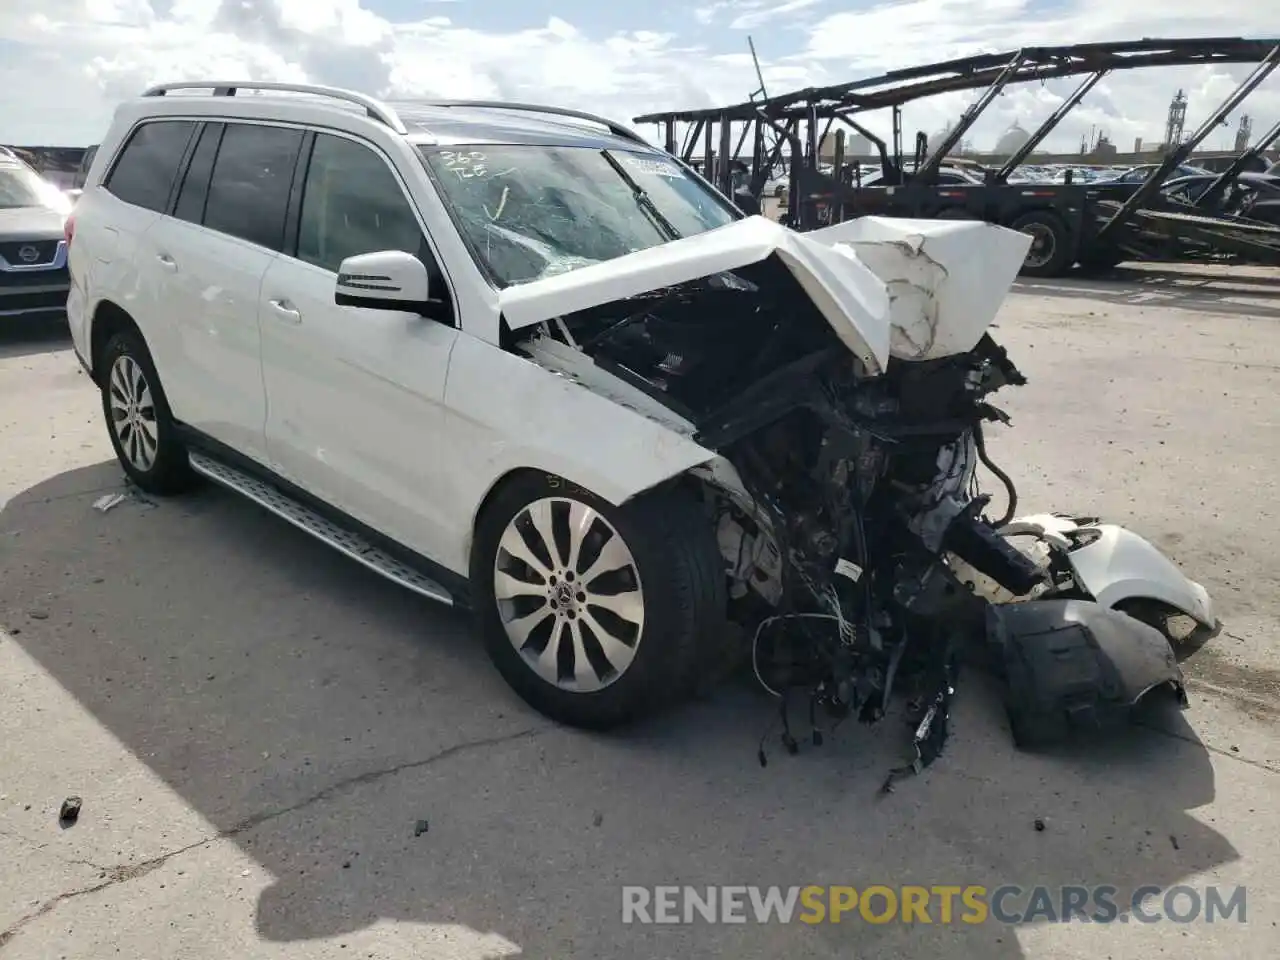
(354, 396)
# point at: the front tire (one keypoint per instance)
(596, 615)
(139, 421)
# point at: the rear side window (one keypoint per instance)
(145, 172)
(195, 186)
(249, 187)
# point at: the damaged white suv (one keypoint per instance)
(518, 359)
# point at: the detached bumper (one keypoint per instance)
(1075, 667)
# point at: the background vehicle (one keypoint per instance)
(33, 254)
(1141, 174)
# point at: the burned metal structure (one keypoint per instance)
(746, 145)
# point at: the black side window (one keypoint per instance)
(353, 204)
(146, 169)
(195, 186)
(249, 187)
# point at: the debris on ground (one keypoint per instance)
(38, 614)
(1039, 825)
(131, 493)
(70, 811)
(420, 828)
(110, 500)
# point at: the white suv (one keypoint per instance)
(518, 359)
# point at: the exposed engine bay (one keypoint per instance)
(863, 555)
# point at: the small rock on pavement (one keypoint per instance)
(1039, 825)
(38, 614)
(70, 811)
(420, 828)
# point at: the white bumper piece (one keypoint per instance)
(1113, 564)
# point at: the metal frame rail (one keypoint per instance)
(794, 118)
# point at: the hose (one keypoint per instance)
(1004, 477)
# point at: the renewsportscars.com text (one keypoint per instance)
(970, 905)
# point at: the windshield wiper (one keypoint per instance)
(643, 199)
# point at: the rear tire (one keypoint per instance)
(606, 614)
(1050, 253)
(139, 421)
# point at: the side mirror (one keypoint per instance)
(386, 280)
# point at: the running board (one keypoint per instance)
(304, 518)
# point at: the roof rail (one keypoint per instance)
(227, 88)
(617, 129)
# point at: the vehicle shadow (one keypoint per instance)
(1202, 293)
(352, 739)
(27, 336)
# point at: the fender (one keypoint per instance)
(1113, 564)
(506, 413)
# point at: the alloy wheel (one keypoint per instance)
(569, 594)
(133, 413)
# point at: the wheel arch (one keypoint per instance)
(108, 319)
(516, 474)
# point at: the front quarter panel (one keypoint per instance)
(506, 413)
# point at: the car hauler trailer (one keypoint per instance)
(1071, 223)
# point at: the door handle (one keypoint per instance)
(167, 262)
(286, 311)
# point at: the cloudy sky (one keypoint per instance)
(65, 63)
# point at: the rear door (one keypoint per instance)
(226, 229)
(110, 257)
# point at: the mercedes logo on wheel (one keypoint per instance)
(28, 254)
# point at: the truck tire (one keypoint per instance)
(1050, 254)
(595, 614)
(139, 421)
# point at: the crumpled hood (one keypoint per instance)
(945, 279)
(915, 289)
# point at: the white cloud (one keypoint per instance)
(756, 13)
(63, 69)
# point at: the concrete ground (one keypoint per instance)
(256, 725)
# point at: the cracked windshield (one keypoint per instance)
(558, 480)
(529, 212)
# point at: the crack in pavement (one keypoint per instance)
(126, 872)
(44, 848)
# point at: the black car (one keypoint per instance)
(1255, 196)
